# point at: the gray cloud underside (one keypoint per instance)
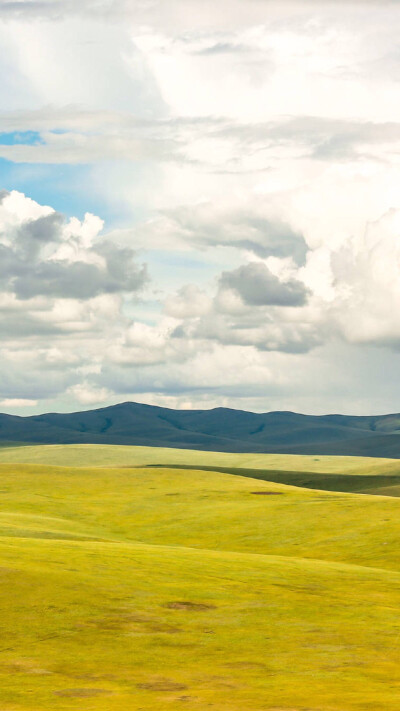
(28, 327)
(25, 272)
(63, 280)
(240, 229)
(241, 331)
(256, 318)
(257, 286)
(31, 383)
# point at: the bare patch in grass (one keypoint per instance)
(162, 685)
(82, 693)
(187, 605)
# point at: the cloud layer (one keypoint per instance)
(201, 204)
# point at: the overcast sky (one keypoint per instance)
(200, 204)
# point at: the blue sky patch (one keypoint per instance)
(25, 138)
(63, 187)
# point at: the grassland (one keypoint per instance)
(78, 455)
(129, 587)
(353, 474)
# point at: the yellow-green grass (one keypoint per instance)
(200, 509)
(351, 474)
(138, 589)
(77, 455)
(122, 627)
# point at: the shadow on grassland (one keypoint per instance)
(346, 483)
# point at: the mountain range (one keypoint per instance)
(219, 429)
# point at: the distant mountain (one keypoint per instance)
(220, 429)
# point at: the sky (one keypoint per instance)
(200, 204)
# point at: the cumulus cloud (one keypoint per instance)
(245, 155)
(248, 228)
(190, 300)
(262, 308)
(270, 335)
(367, 277)
(62, 284)
(348, 291)
(257, 286)
(47, 256)
(251, 306)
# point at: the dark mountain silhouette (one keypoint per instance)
(220, 429)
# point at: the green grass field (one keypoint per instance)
(130, 587)
(77, 455)
(353, 474)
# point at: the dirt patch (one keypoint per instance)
(81, 693)
(187, 605)
(267, 493)
(162, 685)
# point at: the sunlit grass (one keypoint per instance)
(135, 589)
(78, 455)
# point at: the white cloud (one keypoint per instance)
(86, 394)
(17, 402)
(250, 149)
(44, 256)
(367, 274)
(190, 300)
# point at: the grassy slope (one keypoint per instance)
(287, 601)
(358, 474)
(199, 509)
(77, 455)
(91, 626)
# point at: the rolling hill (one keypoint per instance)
(141, 588)
(372, 475)
(219, 429)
